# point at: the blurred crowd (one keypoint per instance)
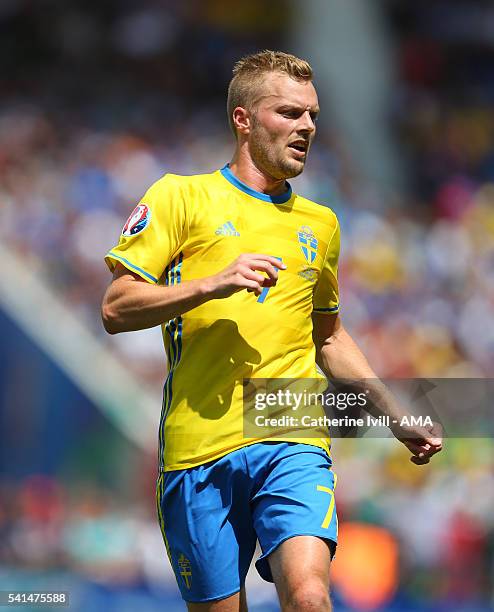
(404, 536)
(417, 282)
(46, 524)
(416, 271)
(441, 520)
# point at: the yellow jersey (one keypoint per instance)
(190, 227)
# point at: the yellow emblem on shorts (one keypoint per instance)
(185, 569)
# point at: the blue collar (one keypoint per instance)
(231, 178)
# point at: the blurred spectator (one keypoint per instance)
(98, 101)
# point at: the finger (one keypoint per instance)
(436, 442)
(253, 287)
(246, 273)
(251, 290)
(421, 452)
(414, 446)
(423, 438)
(433, 440)
(266, 267)
(417, 449)
(432, 445)
(275, 261)
(420, 460)
(434, 450)
(426, 453)
(267, 282)
(435, 437)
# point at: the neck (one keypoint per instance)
(244, 168)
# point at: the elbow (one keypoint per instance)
(109, 316)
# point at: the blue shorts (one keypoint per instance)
(211, 515)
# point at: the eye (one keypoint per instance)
(290, 114)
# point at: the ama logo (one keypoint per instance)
(138, 220)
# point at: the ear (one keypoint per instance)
(241, 120)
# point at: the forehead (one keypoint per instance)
(279, 88)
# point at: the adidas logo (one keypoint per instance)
(227, 229)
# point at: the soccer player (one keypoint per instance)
(241, 273)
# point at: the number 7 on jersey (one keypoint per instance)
(265, 290)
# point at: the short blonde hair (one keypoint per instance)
(249, 72)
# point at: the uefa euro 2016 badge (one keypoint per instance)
(138, 220)
(308, 243)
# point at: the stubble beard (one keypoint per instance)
(268, 159)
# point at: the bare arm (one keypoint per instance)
(130, 303)
(339, 357)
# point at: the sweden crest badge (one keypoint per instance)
(308, 243)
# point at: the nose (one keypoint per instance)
(307, 125)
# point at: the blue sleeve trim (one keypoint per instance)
(334, 309)
(132, 266)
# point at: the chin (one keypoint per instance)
(292, 169)
(283, 168)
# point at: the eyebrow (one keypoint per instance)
(297, 107)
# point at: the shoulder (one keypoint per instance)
(184, 181)
(177, 188)
(323, 212)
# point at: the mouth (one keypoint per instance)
(299, 147)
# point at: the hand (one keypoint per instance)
(243, 273)
(423, 442)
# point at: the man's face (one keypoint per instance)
(283, 125)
